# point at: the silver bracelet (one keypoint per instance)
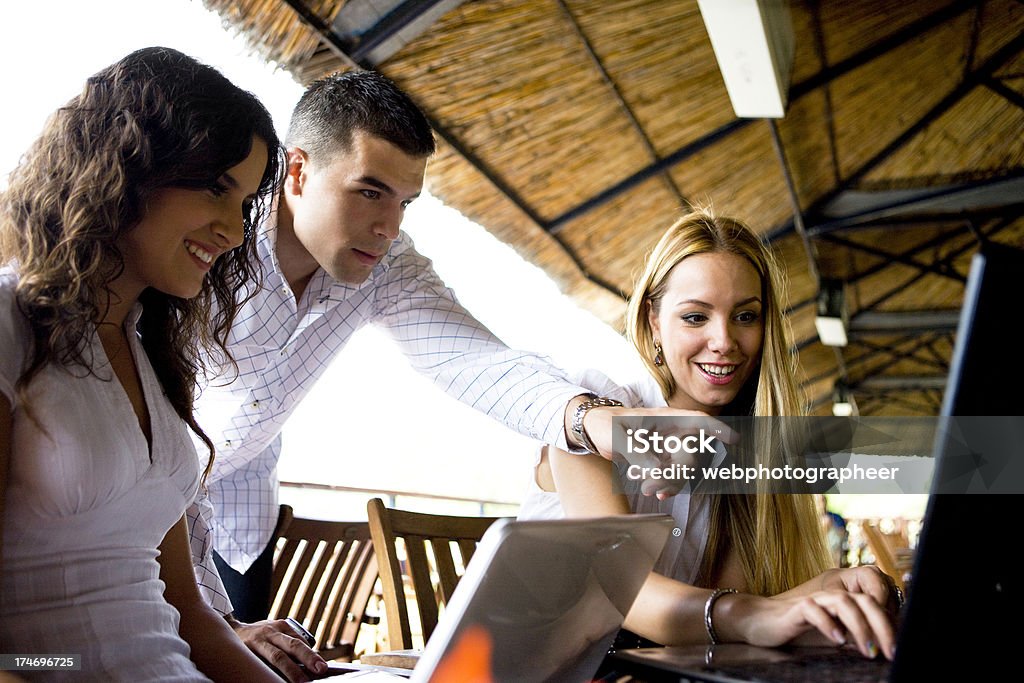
(710, 605)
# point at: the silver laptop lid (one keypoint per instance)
(546, 597)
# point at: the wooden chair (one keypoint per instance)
(891, 551)
(324, 576)
(437, 550)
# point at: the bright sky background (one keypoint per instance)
(371, 422)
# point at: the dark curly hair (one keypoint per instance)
(155, 119)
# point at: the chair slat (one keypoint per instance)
(423, 585)
(335, 574)
(446, 574)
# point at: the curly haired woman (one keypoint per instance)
(123, 227)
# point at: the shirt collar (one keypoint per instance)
(131, 320)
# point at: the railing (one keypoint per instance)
(331, 501)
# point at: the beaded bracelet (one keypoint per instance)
(710, 605)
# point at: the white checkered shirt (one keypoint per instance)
(282, 349)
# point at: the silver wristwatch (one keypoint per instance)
(592, 401)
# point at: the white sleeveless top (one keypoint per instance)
(86, 507)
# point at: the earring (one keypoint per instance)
(658, 359)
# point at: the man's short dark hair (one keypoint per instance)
(333, 108)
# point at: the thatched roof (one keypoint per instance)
(576, 131)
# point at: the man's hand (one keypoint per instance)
(278, 644)
(599, 425)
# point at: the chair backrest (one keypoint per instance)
(890, 550)
(437, 549)
(324, 575)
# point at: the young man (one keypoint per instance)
(334, 259)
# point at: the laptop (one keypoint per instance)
(965, 600)
(541, 600)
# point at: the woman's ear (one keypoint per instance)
(652, 319)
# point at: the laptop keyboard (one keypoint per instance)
(835, 667)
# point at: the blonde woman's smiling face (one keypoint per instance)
(710, 326)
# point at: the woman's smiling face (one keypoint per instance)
(183, 231)
(710, 326)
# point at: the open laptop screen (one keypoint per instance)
(542, 600)
(964, 590)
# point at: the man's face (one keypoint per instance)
(346, 210)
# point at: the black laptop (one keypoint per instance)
(964, 611)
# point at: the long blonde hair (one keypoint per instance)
(777, 537)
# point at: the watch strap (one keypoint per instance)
(579, 431)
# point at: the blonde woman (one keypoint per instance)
(706, 319)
